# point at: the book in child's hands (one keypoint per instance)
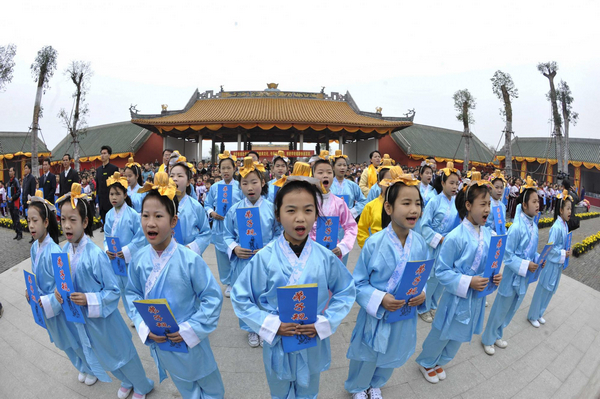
(298, 304)
(492, 264)
(327, 231)
(534, 276)
(499, 220)
(346, 198)
(34, 296)
(568, 247)
(118, 264)
(249, 228)
(413, 281)
(224, 199)
(176, 233)
(157, 315)
(64, 286)
(536, 218)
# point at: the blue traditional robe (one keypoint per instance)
(105, 337)
(185, 281)
(552, 272)
(521, 246)
(388, 345)
(270, 229)
(254, 299)
(463, 255)
(61, 332)
(194, 224)
(271, 193)
(357, 198)
(218, 227)
(427, 192)
(126, 225)
(374, 192)
(491, 220)
(136, 198)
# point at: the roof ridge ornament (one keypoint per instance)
(272, 87)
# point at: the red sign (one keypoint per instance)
(272, 153)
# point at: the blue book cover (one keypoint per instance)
(157, 315)
(328, 228)
(298, 304)
(499, 220)
(249, 228)
(34, 296)
(118, 264)
(534, 276)
(568, 247)
(346, 198)
(177, 235)
(537, 217)
(413, 281)
(224, 199)
(64, 285)
(9, 193)
(492, 264)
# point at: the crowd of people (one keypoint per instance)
(167, 215)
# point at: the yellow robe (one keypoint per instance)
(370, 220)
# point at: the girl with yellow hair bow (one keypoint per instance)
(280, 168)
(346, 188)
(133, 174)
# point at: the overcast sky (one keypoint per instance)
(396, 55)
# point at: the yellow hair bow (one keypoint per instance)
(529, 183)
(497, 175)
(74, 195)
(131, 163)
(281, 154)
(178, 159)
(250, 166)
(565, 196)
(386, 163)
(39, 197)
(302, 171)
(116, 178)
(449, 169)
(324, 154)
(476, 180)
(163, 183)
(338, 154)
(397, 176)
(470, 173)
(226, 154)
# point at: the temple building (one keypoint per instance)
(249, 117)
(15, 151)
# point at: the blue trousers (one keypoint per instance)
(224, 267)
(437, 352)
(122, 280)
(209, 387)
(364, 375)
(77, 358)
(501, 315)
(539, 303)
(432, 295)
(286, 389)
(132, 375)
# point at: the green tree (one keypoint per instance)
(42, 70)
(7, 55)
(504, 88)
(464, 102)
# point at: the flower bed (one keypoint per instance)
(587, 244)
(6, 222)
(549, 221)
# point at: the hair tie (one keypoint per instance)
(117, 178)
(250, 166)
(74, 195)
(226, 155)
(39, 197)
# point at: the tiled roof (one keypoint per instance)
(122, 137)
(13, 142)
(582, 150)
(435, 141)
(271, 110)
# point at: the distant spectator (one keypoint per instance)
(67, 177)
(102, 174)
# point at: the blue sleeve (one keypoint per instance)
(555, 237)
(230, 231)
(361, 201)
(109, 294)
(426, 221)
(512, 261)
(208, 296)
(211, 198)
(445, 270)
(203, 238)
(362, 276)
(139, 239)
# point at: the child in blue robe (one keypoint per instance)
(294, 259)
(122, 221)
(520, 257)
(105, 337)
(377, 347)
(280, 169)
(425, 187)
(551, 273)
(253, 188)
(342, 186)
(191, 218)
(133, 174)
(166, 269)
(460, 264)
(41, 220)
(439, 218)
(227, 168)
(498, 182)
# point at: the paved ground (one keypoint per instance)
(558, 360)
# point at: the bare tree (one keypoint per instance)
(42, 70)
(566, 99)
(464, 102)
(7, 54)
(504, 88)
(548, 69)
(80, 74)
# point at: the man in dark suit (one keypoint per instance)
(14, 190)
(29, 184)
(67, 177)
(102, 174)
(48, 181)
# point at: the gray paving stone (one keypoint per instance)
(543, 386)
(565, 363)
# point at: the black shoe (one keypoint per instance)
(101, 229)
(16, 236)
(19, 237)
(32, 240)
